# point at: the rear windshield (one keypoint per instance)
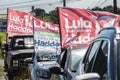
(22, 43)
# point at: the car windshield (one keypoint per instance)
(23, 42)
(76, 56)
(46, 56)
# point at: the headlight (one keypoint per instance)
(15, 63)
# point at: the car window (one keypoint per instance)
(105, 47)
(90, 55)
(76, 56)
(17, 40)
(100, 64)
(28, 41)
(23, 42)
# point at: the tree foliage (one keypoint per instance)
(52, 16)
(47, 19)
(39, 13)
(109, 8)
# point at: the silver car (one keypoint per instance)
(39, 69)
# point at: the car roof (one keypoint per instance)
(109, 32)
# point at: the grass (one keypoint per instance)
(1, 56)
(2, 41)
(1, 70)
(3, 36)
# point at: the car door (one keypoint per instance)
(100, 62)
(88, 61)
(96, 58)
(62, 61)
(75, 55)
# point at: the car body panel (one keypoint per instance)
(109, 39)
(68, 61)
(39, 70)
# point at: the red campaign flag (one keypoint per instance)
(80, 26)
(18, 23)
(40, 25)
(105, 19)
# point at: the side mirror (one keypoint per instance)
(88, 76)
(28, 60)
(56, 70)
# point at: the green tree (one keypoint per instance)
(108, 8)
(54, 16)
(96, 9)
(39, 13)
(47, 19)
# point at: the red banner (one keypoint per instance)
(18, 23)
(40, 25)
(79, 26)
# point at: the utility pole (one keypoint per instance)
(115, 6)
(32, 8)
(64, 3)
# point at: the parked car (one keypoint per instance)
(103, 55)
(41, 61)
(68, 62)
(19, 48)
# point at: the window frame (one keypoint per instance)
(85, 62)
(105, 56)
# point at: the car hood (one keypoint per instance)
(46, 64)
(22, 51)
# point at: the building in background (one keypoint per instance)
(3, 22)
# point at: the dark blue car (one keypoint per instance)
(102, 56)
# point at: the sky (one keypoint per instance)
(48, 5)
